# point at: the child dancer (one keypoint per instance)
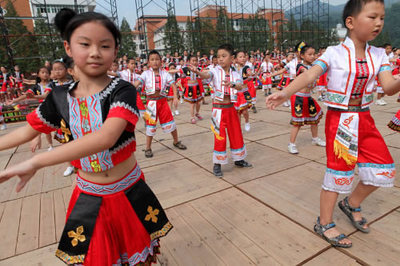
(113, 216)
(351, 135)
(39, 91)
(305, 111)
(156, 81)
(244, 99)
(6, 83)
(266, 68)
(193, 89)
(18, 78)
(130, 75)
(289, 73)
(227, 82)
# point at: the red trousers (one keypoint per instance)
(375, 164)
(229, 123)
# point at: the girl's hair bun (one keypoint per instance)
(62, 19)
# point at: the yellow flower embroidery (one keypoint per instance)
(77, 236)
(152, 214)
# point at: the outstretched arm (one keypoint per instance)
(300, 82)
(89, 144)
(390, 85)
(202, 74)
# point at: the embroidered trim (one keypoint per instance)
(162, 232)
(139, 256)
(109, 89)
(124, 105)
(69, 259)
(44, 121)
(121, 185)
(123, 145)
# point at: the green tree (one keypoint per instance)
(173, 40)
(50, 44)
(128, 46)
(392, 24)
(189, 35)
(22, 42)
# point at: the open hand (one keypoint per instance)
(25, 171)
(275, 99)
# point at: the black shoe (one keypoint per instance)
(217, 170)
(266, 94)
(254, 109)
(242, 163)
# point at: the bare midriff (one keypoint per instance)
(111, 175)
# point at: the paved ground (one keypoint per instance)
(263, 215)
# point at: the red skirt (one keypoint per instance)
(252, 89)
(395, 122)
(243, 101)
(305, 111)
(170, 93)
(265, 80)
(285, 81)
(113, 224)
(194, 93)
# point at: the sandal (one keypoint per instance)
(148, 153)
(199, 116)
(180, 146)
(348, 210)
(334, 241)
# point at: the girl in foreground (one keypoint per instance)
(113, 216)
(351, 135)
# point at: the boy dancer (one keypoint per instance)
(227, 82)
(156, 80)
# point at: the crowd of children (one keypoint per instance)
(93, 102)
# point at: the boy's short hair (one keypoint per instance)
(153, 52)
(227, 47)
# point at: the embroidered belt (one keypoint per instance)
(302, 94)
(155, 98)
(222, 106)
(350, 108)
(193, 84)
(107, 189)
(78, 230)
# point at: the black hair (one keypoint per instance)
(153, 52)
(305, 48)
(38, 80)
(354, 7)
(67, 21)
(238, 52)
(227, 47)
(172, 64)
(69, 62)
(130, 58)
(192, 55)
(386, 45)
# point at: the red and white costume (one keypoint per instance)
(118, 223)
(157, 108)
(18, 78)
(225, 118)
(351, 135)
(194, 92)
(131, 77)
(305, 110)
(245, 97)
(5, 81)
(266, 68)
(289, 75)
